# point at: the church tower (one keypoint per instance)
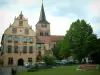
(43, 26)
(43, 36)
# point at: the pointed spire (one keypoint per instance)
(21, 15)
(42, 1)
(42, 18)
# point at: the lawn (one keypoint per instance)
(67, 70)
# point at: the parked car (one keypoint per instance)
(28, 64)
(76, 62)
(42, 64)
(64, 62)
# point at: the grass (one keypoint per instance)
(67, 70)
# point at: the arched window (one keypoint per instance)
(41, 33)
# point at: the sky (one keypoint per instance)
(60, 13)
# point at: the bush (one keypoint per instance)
(49, 60)
(36, 66)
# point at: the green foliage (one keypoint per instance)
(49, 60)
(36, 66)
(95, 53)
(56, 49)
(78, 40)
(67, 70)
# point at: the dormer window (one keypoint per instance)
(21, 17)
(14, 30)
(20, 23)
(26, 31)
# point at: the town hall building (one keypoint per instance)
(21, 44)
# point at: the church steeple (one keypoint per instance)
(42, 18)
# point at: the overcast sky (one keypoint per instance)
(60, 13)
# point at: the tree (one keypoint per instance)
(56, 49)
(64, 51)
(78, 39)
(95, 54)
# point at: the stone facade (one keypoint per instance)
(20, 44)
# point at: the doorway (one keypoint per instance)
(20, 62)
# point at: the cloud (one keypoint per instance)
(72, 9)
(59, 25)
(94, 7)
(60, 13)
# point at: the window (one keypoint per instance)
(26, 31)
(44, 26)
(10, 61)
(39, 46)
(29, 59)
(15, 39)
(14, 30)
(24, 49)
(9, 48)
(46, 33)
(30, 49)
(20, 23)
(25, 40)
(9, 39)
(41, 33)
(21, 16)
(31, 40)
(16, 49)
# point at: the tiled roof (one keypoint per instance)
(55, 38)
(48, 39)
(43, 39)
